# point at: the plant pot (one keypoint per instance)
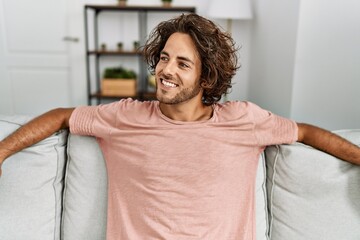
(166, 4)
(118, 87)
(122, 2)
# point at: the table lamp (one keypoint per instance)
(229, 10)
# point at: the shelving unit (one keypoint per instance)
(142, 11)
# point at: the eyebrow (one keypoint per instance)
(179, 57)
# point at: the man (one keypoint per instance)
(182, 167)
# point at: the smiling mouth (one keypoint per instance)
(168, 84)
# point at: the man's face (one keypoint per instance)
(178, 71)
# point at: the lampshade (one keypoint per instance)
(230, 9)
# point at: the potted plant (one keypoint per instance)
(118, 81)
(103, 47)
(166, 3)
(120, 46)
(136, 45)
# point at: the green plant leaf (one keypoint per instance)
(119, 72)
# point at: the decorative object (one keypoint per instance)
(103, 47)
(118, 82)
(120, 46)
(230, 9)
(152, 80)
(136, 45)
(166, 3)
(122, 2)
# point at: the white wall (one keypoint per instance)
(274, 32)
(327, 66)
(305, 60)
(241, 32)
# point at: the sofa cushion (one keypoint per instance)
(85, 193)
(261, 201)
(31, 185)
(312, 195)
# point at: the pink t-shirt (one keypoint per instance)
(181, 180)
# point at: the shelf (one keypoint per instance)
(114, 53)
(115, 7)
(93, 67)
(142, 96)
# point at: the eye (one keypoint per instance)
(183, 65)
(164, 58)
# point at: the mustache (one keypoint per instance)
(166, 76)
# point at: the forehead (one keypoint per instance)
(181, 44)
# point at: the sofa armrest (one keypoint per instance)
(312, 195)
(31, 186)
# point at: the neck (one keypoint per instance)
(186, 113)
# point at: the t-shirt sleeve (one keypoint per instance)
(94, 120)
(271, 129)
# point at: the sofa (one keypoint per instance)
(57, 189)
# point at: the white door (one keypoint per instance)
(35, 60)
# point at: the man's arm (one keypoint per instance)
(328, 142)
(34, 131)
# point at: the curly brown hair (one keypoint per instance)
(216, 49)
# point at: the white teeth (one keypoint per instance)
(168, 84)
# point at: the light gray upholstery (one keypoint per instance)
(31, 187)
(312, 195)
(85, 194)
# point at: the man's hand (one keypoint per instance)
(329, 142)
(34, 131)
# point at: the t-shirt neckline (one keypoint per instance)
(177, 122)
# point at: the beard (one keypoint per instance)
(182, 96)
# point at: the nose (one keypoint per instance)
(169, 68)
